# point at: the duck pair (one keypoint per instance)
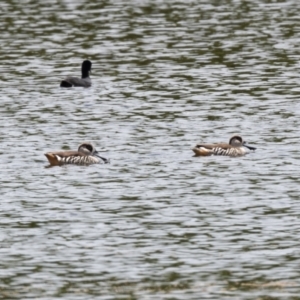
(88, 155)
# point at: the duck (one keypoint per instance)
(236, 147)
(84, 81)
(84, 156)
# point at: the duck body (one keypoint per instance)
(236, 147)
(84, 156)
(84, 81)
(75, 81)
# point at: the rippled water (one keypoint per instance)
(156, 223)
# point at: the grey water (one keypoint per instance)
(155, 223)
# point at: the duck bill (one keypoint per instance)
(106, 161)
(249, 147)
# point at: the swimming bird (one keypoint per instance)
(235, 147)
(85, 155)
(84, 81)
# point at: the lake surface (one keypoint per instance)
(155, 223)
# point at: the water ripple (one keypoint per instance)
(156, 222)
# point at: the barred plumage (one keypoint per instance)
(85, 155)
(236, 147)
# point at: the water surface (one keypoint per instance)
(155, 223)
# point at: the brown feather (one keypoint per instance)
(52, 156)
